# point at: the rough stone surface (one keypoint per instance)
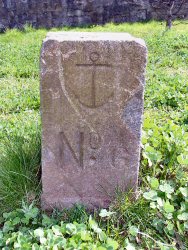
(91, 103)
(53, 13)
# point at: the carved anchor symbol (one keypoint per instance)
(94, 56)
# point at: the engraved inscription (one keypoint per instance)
(94, 57)
(119, 158)
(93, 141)
(78, 159)
(92, 160)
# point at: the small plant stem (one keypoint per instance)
(157, 242)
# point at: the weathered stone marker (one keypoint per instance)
(91, 102)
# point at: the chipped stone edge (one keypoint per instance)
(92, 37)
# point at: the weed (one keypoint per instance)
(19, 171)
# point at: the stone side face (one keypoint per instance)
(54, 13)
(91, 104)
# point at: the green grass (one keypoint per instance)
(19, 171)
(164, 140)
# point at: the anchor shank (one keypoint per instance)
(93, 88)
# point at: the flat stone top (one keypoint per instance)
(93, 36)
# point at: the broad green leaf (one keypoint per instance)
(71, 228)
(186, 225)
(98, 230)
(16, 221)
(60, 241)
(112, 243)
(43, 240)
(102, 236)
(160, 202)
(1, 235)
(183, 159)
(6, 215)
(130, 247)
(85, 236)
(183, 216)
(169, 216)
(154, 183)
(153, 205)
(57, 230)
(151, 195)
(35, 246)
(93, 224)
(170, 226)
(166, 188)
(39, 232)
(17, 245)
(184, 191)
(152, 154)
(46, 220)
(133, 230)
(55, 247)
(104, 213)
(168, 207)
